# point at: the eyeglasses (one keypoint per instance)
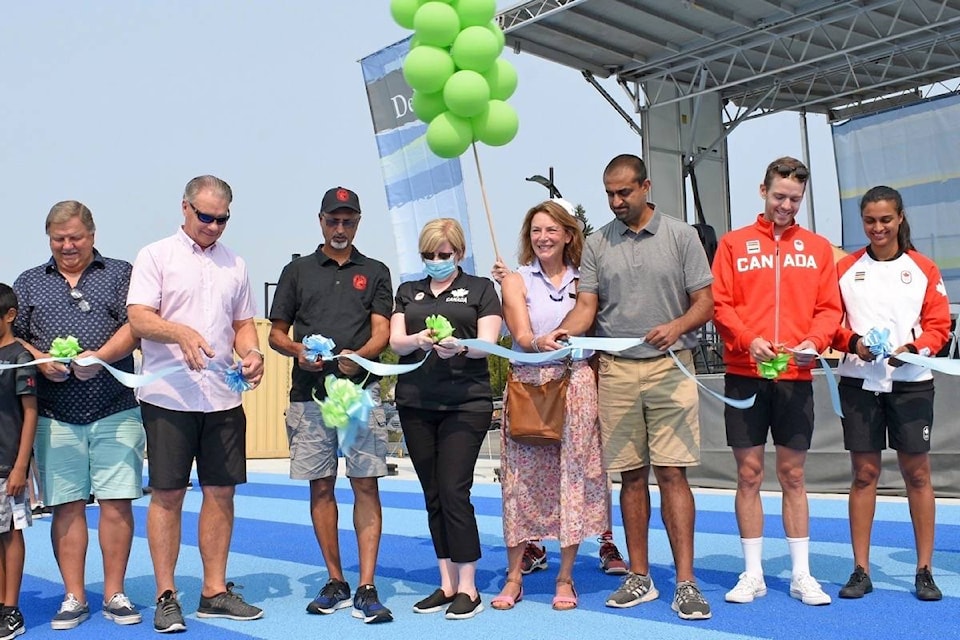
(785, 171)
(82, 303)
(436, 255)
(346, 223)
(207, 218)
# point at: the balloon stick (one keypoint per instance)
(486, 205)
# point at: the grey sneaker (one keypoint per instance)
(11, 624)
(228, 605)
(689, 603)
(168, 618)
(120, 610)
(71, 614)
(633, 590)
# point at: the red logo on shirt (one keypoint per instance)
(360, 282)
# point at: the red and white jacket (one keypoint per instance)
(784, 290)
(905, 295)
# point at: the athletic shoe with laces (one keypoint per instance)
(367, 607)
(748, 587)
(534, 558)
(611, 562)
(334, 595)
(689, 603)
(926, 588)
(71, 614)
(168, 618)
(228, 605)
(807, 590)
(121, 610)
(633, 590)
(11, 623)
(858, 585)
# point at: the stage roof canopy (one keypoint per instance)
(840, 58)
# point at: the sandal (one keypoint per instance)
(505, 602)
(566, 603)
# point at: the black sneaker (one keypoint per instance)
(367, 607)
(11, 623)
(228, 605)
(463, 607)
(926, 588)
(334, 595)
(168, 617)
(434, 602)
(858, 585)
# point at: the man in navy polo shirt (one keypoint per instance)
(342, 294)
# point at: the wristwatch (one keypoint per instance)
(256, 351)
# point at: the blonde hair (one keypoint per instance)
(572, 251)
(441, 230)
(67, 210)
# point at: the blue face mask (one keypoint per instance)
(439, 269)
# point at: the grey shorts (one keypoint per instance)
(14, 510)
(313, 446)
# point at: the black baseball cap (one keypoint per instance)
(339, 198)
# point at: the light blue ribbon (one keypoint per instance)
(878, 341)
(130, 380)
(359, 414)
(320, 346)
(831, 378)
(949, 366)
(235, 380)
(317, 346)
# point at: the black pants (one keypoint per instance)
(443, 446)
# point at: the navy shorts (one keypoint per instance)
(783, 408)
(904, 416)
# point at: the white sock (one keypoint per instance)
(800, 554)
(753, 556)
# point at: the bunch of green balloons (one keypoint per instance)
(460, 84)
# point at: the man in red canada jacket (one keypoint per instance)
(775, 292)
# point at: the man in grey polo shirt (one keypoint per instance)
(646, 274)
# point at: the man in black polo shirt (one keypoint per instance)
(342, 294)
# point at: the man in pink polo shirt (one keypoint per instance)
(190, 304)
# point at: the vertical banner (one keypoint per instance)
(420, 185)
(916, 150)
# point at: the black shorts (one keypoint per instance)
(783, 408)
(904, 415)
(217, 440)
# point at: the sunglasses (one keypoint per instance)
(82, 303)
(346, 223)
(436, 255)
(207, 218)
(786, 170)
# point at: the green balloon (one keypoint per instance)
(427, 68)
(403, 12)
(496, 125)
(428, 106)
(475, 13)
(497, 31)
(436, 23)
(466, 93)
(449, 135)
(502, 79)
(476, 49)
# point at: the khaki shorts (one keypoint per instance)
(649, 413)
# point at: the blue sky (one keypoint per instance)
(117, 104)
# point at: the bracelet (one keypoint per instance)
(258, 352)
(533, 343)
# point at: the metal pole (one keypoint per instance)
(805, 140)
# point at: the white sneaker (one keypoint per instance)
(748, 587)
(805, 588)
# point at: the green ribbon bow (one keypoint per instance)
(68, 347)
(341, 395)
(440, 326)
(772, 369)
